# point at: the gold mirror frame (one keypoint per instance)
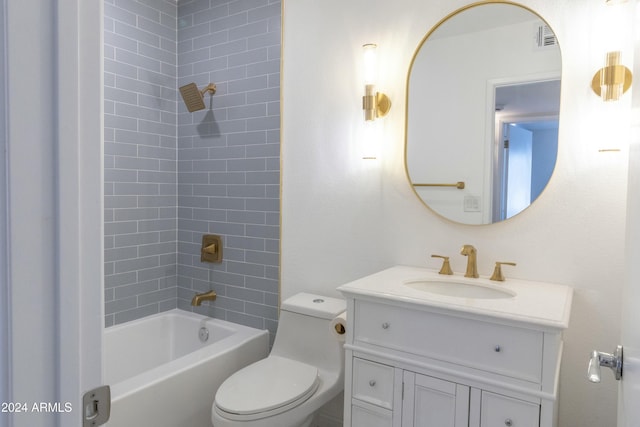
(458, 184)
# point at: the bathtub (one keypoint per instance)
(162, 375)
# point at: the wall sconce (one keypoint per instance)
(614, 79)
(374, 104)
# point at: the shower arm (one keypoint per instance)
(211, 87)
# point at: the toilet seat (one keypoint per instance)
(265, 388)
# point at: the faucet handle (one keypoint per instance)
(446, 267)
(497, 272)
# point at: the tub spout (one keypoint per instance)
(206, 296)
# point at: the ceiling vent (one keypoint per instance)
(544, 37)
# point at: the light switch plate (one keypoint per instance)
(471, 204)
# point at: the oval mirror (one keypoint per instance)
(483, 100)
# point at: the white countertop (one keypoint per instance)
(538, 303)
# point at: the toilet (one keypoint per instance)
(304, 370)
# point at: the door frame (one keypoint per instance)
(54, 205)
(4, 275)
(81, 210)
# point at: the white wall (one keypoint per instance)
(344, 217)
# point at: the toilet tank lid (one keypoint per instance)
(314, 305)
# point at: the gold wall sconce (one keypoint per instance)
(613, 80)
(374, 104)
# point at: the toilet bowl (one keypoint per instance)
(304, 370)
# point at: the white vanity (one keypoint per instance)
(429, 350)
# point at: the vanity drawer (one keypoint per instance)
(370, 416)
(497, 410)
(505, 350)
(373, 382)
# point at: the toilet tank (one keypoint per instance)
(305, 332)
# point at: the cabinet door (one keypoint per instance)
(502, 411)
(431, 402)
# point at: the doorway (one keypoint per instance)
(526, 155)
(525, 142)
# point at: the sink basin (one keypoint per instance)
(460, 289)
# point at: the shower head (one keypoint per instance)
(193, 97)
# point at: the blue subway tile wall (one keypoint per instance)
(172, 176)
(229, 157)
(140, 44)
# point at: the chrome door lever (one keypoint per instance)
(613, 361)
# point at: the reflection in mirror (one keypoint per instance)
(483, 97)
(527, 144)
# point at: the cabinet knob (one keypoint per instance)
(497, 349)
(508, 422)
(385, 325)
(372, 383)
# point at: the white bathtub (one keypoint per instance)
(162, 375)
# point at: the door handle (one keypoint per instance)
(612, 361)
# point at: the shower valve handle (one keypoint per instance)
(211, 249)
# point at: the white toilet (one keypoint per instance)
(303, 372)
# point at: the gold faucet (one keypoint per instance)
(497, 271)
(472, 261)
(446, 267)
(206, 296)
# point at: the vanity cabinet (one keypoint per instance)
(417, 365)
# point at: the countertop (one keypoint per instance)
(538, 303)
